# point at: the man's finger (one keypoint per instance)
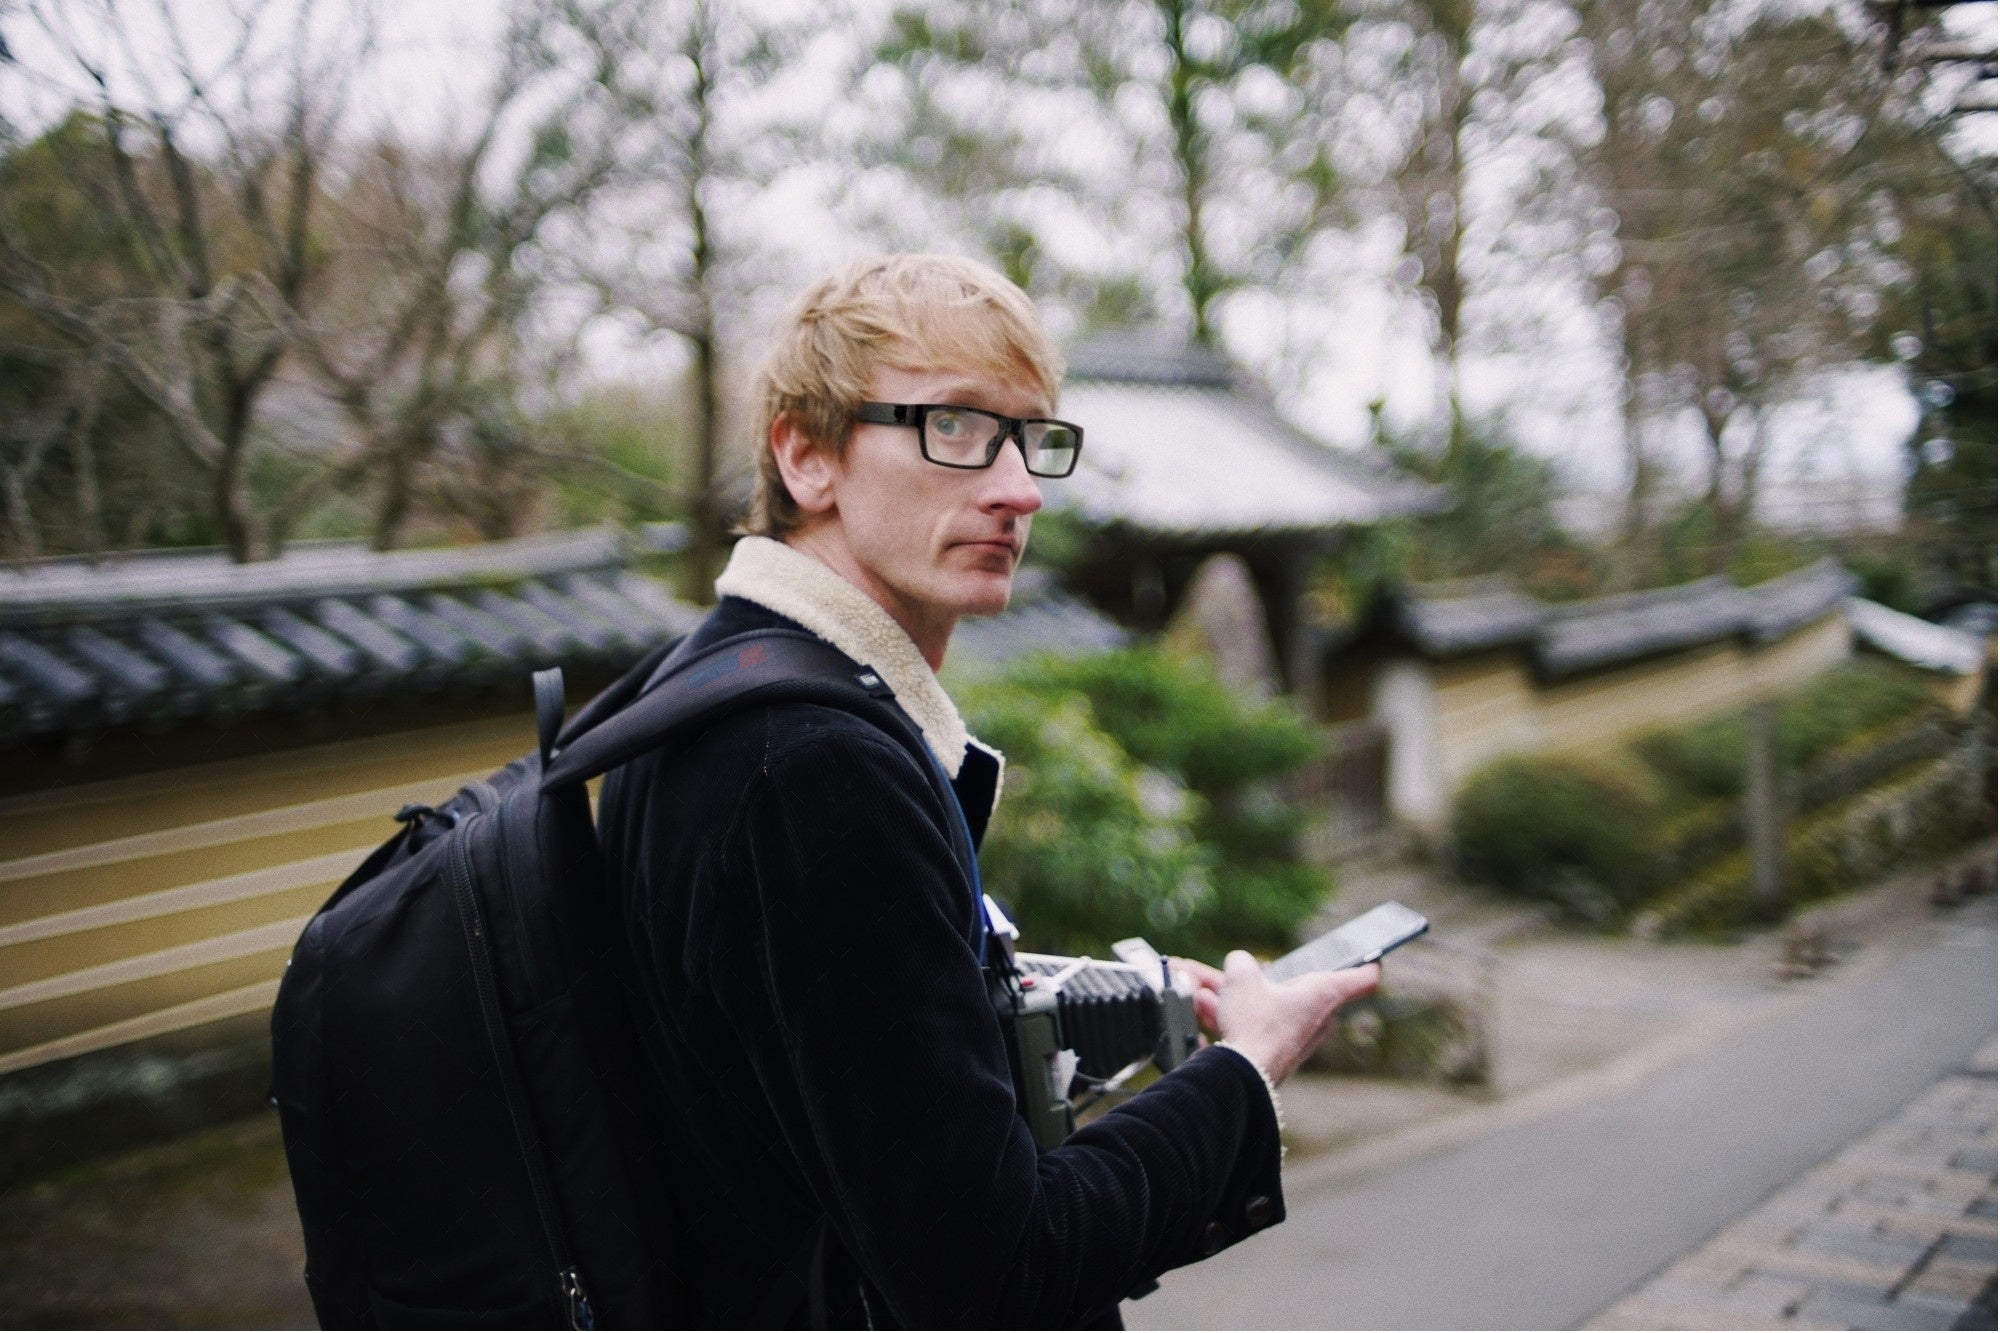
(1240, 965)
(1204, 1009)
(1199, 973)
(1355, 982)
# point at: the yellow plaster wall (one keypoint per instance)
(142, 905)
(1490, 704)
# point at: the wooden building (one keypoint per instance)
(1186, 458)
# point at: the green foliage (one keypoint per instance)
(1706, 760)
(1502, 505)
(1659, 826)
(1697, 762)
(1143, 798)
(1695, 541)
(1889, 577)
(1940, 324)
(1406, 1034)
(1177, 716)
(1569, 830)
(1501, 519)
(1088, 846)
(1843, 703)
(1927, 808)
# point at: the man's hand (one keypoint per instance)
(1277, 1024)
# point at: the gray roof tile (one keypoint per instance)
(1053, 623)
(196, 663)
(442, 643)
(264, 656)
(58, 688)
(495, 636)
(126, 669)
(590, 628)
(154, 636)
(1450, 619)
(550, 637)
(328, 655)
(390, 651)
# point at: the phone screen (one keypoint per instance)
(1361, 940)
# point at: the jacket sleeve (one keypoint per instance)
(867, 1020)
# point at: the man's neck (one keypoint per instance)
(929, 629)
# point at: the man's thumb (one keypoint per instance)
(1355, 982)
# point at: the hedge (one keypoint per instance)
(1581, 832)
(1933, 804)
(1601, 836)
(1706, 760)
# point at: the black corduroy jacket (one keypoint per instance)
(803, 933)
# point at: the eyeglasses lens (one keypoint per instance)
(962, 439)
(1051, 448)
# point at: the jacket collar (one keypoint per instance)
(800, 588)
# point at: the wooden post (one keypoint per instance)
(1763, 815)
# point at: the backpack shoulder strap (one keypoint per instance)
(768, 665)
(741, 670)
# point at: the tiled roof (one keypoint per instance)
(1141, 358)
(160, 638)
(1040, 619)
(1464, 617)
(1174, 445)
(1448, 620)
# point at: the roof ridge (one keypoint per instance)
(168, 582)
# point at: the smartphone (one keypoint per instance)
(1363, 940)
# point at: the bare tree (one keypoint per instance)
(446, 257)
(1746, 167)
(1436, 88)
(206, 158)
(673, 252)
(1180, 130)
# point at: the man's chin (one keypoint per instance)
(985, 595)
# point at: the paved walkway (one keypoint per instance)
(1895, 1230)
(1542, 1210)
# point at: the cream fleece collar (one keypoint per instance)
(800, 588)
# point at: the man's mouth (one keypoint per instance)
(1007, 544)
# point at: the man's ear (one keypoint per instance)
(808, 468)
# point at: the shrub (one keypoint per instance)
(1406, 1034)
(1088, 846)
(1577, 832)
(1193, 757)
(1706, 761)
(1928, 808)
(1843, 703)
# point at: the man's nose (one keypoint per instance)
(1010, 486)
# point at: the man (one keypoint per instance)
(805, 927)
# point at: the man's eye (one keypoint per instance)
(947, 423)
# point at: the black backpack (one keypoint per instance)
(467, 1115)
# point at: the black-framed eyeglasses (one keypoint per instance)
(966, 437)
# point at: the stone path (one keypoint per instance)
(1895, 1230)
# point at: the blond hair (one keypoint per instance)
(912, 312)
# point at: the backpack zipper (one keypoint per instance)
(575, 1301)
